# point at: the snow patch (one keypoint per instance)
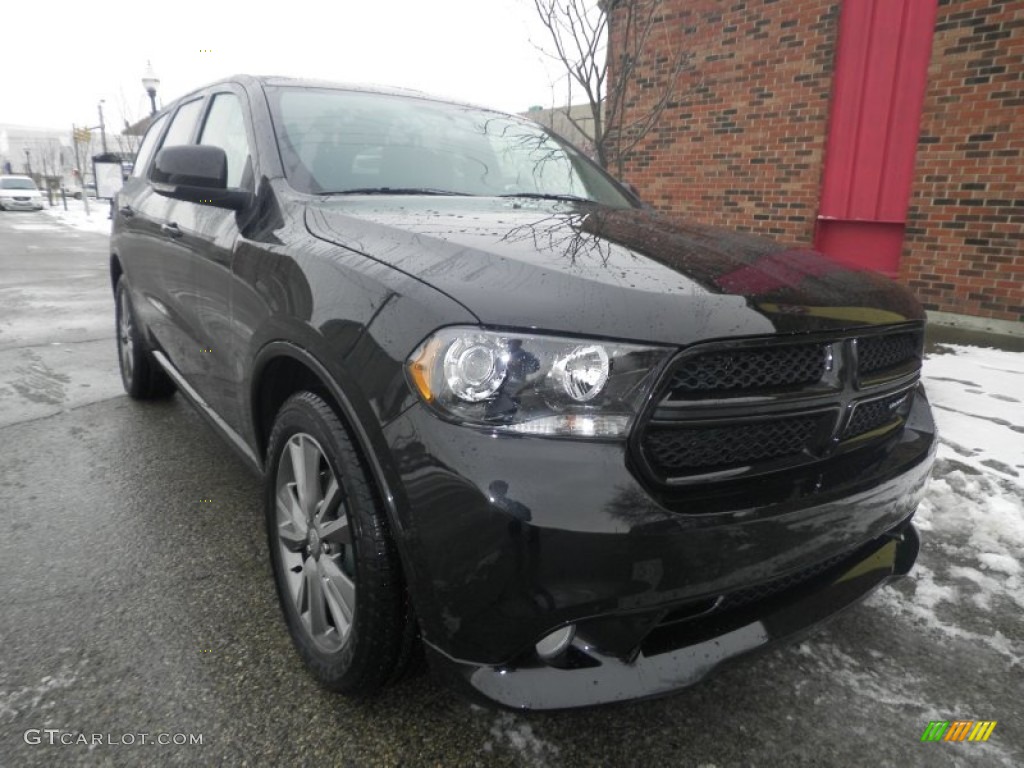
(997, 562)
(31, 697)
(981, 421)
(511, 730)
(95, 221)
(983, 519)
(921, 609)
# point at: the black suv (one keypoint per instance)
(575, 451)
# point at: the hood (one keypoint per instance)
(616, 273)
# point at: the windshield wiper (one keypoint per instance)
(394, 191)
(549, 196)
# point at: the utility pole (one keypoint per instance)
(75, 134)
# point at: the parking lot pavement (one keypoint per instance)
(136, 598)
(56, 322)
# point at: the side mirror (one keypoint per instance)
(196, 174)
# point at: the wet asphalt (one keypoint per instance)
(136, 598)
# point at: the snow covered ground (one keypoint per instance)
(972, 520)
(75, 216)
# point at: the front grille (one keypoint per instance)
(774, 406)
(881, 353)
(759, 592)
(694, 448)
(726, 371)
(875, 413)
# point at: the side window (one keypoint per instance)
(225, 128)
(183, 124)
(148, 147)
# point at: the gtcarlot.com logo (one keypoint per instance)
(58, 737)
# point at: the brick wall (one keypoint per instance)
(743, 142)
(964, 250)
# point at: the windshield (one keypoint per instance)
(336, 141)
(17, 184)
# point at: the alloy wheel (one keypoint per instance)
(315, 543)
(124, 335)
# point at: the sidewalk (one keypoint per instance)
(945, 334)
(75, 216)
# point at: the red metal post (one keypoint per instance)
(878, 91)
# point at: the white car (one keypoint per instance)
(19, 193)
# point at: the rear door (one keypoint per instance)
(174, 295)
(136, 235)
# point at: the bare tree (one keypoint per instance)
(620, 116)
(127, 142)
(49, 154)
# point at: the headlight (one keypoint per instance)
(534, 384)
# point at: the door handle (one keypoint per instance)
(170, 229)
(127, 211)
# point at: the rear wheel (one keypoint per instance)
(336, 568)
(141, 375)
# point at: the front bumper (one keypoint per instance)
(22, 205)
(506, 539)
(608, 678)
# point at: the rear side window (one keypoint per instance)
(225, 128)
(183, 124)
(148, 147)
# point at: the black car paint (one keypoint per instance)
(505, 538)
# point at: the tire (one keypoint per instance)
(141, 375)
(336, 569)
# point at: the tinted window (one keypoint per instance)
(337, 141)
(225, 128)
(148, 146)
(183, 124)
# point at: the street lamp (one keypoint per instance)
(150, 82)
(103, 128)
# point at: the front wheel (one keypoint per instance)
(336, 569)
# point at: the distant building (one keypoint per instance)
(558, 120)
(886, 133)
(51, 158)
(137, 129)
(35, 152)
